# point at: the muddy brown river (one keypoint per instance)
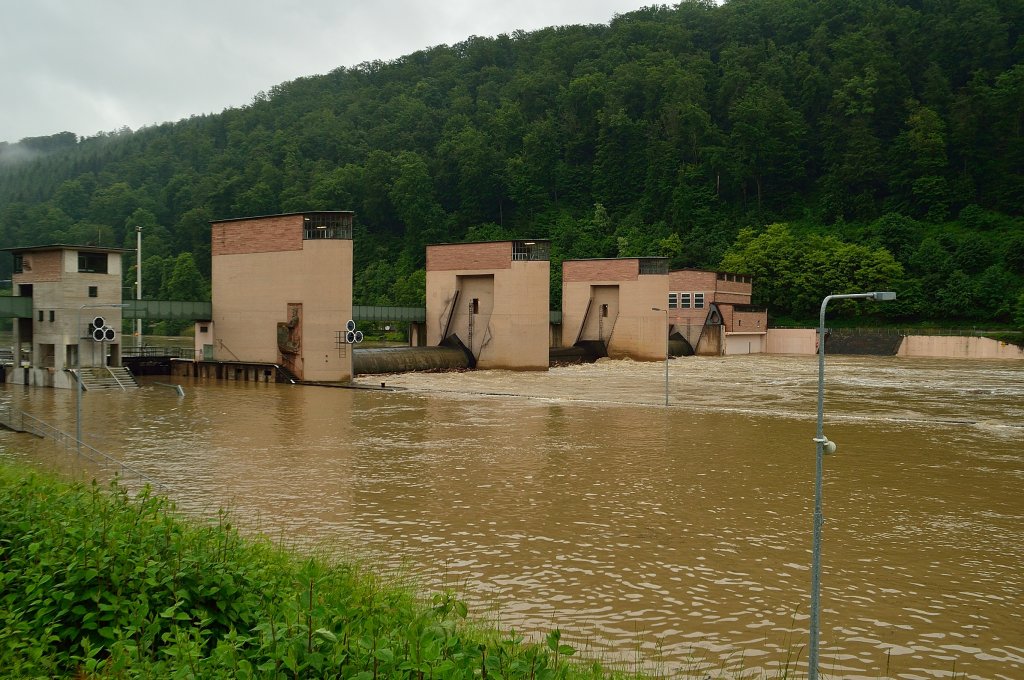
(677, 539)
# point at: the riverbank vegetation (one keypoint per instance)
(887, 136)
(94, 583)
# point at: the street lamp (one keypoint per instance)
(823, 446)
(138, 286)
(78, 367)
(659, 309)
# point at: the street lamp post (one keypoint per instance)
(823, 446)
(78, 368)
(659, 309)
(138, 285)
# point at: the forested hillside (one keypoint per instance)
(821, 146)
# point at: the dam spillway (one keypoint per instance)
(405, 359)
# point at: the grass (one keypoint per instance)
(94, 583)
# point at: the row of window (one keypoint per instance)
(90, 263)
(686, 300)
(739, 278)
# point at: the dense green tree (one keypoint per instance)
(886, 124)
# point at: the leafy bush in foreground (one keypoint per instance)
(96, 584)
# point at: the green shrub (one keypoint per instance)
(94, 583)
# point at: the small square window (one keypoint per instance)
(204, 329)
(94, 291)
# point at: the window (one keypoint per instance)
(653, 265)
(95, 263)
(94, 291)
(673, 300)
(52, 315)
(40, 315)
(204, 329)
(19, 264)
(684, 301)
(698, 300)
(530, 250)
(327, 226)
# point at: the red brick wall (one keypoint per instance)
(601, 270)
(714, 289)
(41, 267)
(692, 280)
(751, 321)
(465, 256)
(257, 235)
(734, 287)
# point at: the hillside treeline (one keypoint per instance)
(883, 138)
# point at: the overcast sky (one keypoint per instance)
(89, 66)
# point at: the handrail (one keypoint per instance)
(228, 349)
(112, 375)
(583, 324)
(451, 315)
(42, 429)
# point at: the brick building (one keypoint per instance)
(491, 298)
(282, 293)
(608, 305)
(712, 312)
(70, 287)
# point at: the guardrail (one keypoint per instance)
(954, 332)
(156, 351)
(19, 421)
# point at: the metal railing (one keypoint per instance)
(19, 421)
(155, 351)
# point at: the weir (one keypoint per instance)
(405, 359)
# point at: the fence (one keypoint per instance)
(953, 332)
(157, 351)
(19, 421)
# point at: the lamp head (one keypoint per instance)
(883, 296)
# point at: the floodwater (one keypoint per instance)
(675, 538)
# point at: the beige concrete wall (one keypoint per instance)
(510, 326)
(745, 343)
(637, 332)
(252, 291)
(792, 341)
(958, 348)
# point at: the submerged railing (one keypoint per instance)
(20, 421)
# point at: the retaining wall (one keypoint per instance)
(944, 346)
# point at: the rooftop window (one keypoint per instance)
(654, 265)
(530, 250)
(94, 263)
(327, 226)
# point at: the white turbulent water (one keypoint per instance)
(678, 536)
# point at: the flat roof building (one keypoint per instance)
(76, 313)
(608, 304)
(282, 293)
(492, 299)
(712, 312)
